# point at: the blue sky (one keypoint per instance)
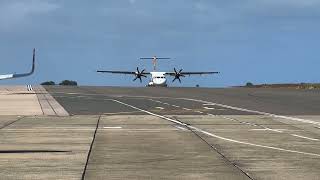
(262, 41)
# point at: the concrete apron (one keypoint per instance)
(26, 101)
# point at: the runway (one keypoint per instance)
(167, 133)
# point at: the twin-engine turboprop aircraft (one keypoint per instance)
(158, 78)
(11, 76)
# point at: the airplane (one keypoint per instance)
(158, 78)
(12, 76)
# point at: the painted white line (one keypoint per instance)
(111, 127)
(153, 114)
(256, 112)
(199, 112)
(274, 130)
(156, 101)
(187, 109)
(166, 104)
(256, 145)
(211, 114)
(216, 136)
(175, 106)
(267, 129)
(159, 108)
(211, 104)
(209, 108)
(312, 139)
(182, 128)
(116, 113)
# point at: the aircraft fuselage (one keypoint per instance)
(158, 79)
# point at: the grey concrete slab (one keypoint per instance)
(7, 120)
(263, 154)
(152, 148)
(45, 147)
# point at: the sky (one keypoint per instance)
(258, 41)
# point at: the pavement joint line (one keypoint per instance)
(216, 136)
(217, 151)
(90, 149)
(312, 139)
(9, 124)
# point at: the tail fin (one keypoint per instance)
(154, 60)
(33, 61)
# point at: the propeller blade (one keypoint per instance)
(175, 70)
(135, 79)
(140, 79)
(179, 80)
(174, 80)
(180, 71)
(138, 70)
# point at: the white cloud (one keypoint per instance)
(17, 12)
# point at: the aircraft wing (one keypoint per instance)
(122, 72)
(191, 73)
(11, 76)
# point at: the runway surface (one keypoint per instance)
(167, 133)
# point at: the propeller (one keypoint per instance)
(139, 75)
(177, 75)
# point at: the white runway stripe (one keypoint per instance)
(312, 139)
(29, 88)
(109, 127)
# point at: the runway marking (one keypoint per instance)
(29, 88)
(268, 129)
(214, 135)
(253, 111)
(187, 109)
(110, 127)
(156, 101)
(175, 106)
(209, 108)
(159, 108)
(312, 139)
(179, 127)
(211, 114)
(199, 112)
(116, 113)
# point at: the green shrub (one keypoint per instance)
(68, 83)
(48, 83)
(249, 84)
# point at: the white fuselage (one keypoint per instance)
(158, 79)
